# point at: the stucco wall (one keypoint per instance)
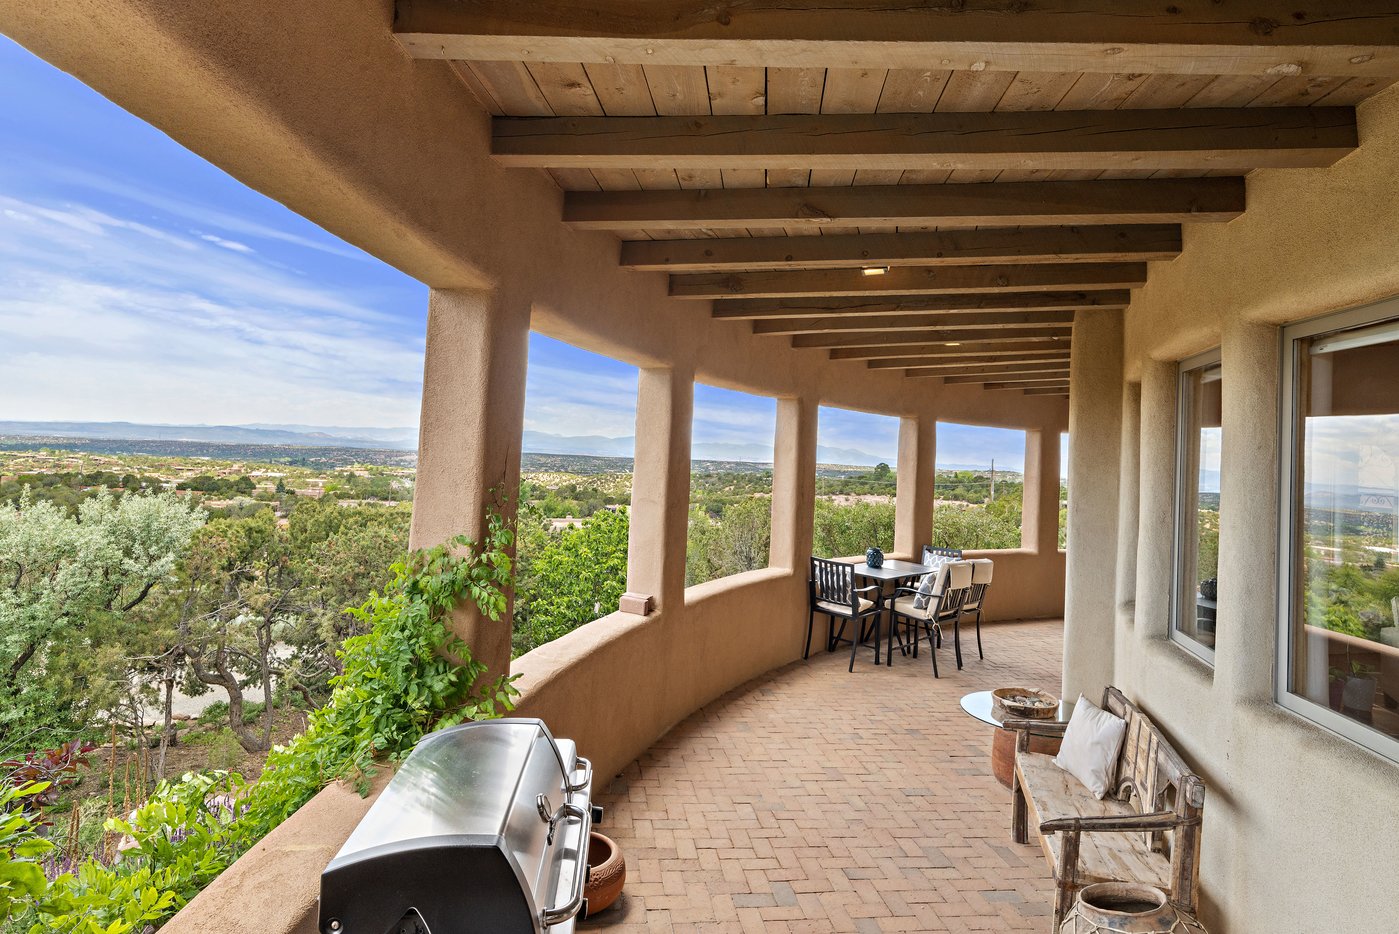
(1301, 827)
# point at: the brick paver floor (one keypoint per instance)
(815, 800)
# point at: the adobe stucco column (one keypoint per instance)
(1095, 423)
(1248, 517)
(913, 502)
(470, 434)
(660, 498)
(1039, 516)
(794, 484)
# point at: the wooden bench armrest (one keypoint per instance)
(1039, 726)
(1156, 820)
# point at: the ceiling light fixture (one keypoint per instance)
(874, 270)
(953, 344)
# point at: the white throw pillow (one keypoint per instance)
(1091, 744)
(928, 582)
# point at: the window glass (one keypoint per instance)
(1063, 490)
(731, 442)
(1197, 505)
(979, 487)
(856, 453)
(1343, 620)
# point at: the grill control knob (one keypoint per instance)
(546, 810)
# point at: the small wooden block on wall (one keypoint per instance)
(638, 604)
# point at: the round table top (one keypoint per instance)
(982, 705)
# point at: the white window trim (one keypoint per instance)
(1198, 649)
(1319, 714)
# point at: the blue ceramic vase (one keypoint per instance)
(874, 558)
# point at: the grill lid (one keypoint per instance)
(463, 780)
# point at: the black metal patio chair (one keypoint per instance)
(832, 592)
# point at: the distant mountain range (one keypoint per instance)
(406, 439)
(402, 439)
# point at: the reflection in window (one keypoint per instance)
(1197, 505)
(1063, 490)
(1344, 580)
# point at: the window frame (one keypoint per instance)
(1289, 531)
(1173, 633)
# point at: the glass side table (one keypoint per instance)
(982, 705)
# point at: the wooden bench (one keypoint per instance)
(1149, 831)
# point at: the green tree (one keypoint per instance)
(65, 580)
(738, 540)
(568, 578)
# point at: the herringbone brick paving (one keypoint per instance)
(816, 800)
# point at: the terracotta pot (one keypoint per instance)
(1126, 908)
(606, 873)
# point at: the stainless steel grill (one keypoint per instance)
(484, 829)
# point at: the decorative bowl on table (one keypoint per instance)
(1027, 702)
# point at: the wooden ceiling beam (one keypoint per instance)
(1060, 385)
(1224, 139)
(935, 365)
(945, 321)
(1008, 204)
(1269, 37)
(907, 280)
(1047, 391)
(1024, 376)
(888, 338)
(760, 308)
(954, 349)
(1000, 368)
(1136, 243)
(953, 379)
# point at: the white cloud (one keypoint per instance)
(103, 318)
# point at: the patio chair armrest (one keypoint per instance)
(899, 591)
(874, 587)
(1156, 820)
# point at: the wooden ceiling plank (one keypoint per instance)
(897, 338)
(852, 90)
(908, 280)
(1231, 90)
(567, 89)
(734, 90)
(973, 91)
(952, 351)
(513, 88)
(1130, 243)
(756, 308)
(621, 90)
(1036, 90)
(945, 206)
(951, 321)
(678, 90)
(1193, 37)
(1100, 91)
(1047, 391)
(1242, 138)
(908, 90)
(795, 90)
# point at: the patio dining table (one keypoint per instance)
(892, 571)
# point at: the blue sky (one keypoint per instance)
(140, 283)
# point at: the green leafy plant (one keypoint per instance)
(407, 675)
(21, 873)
